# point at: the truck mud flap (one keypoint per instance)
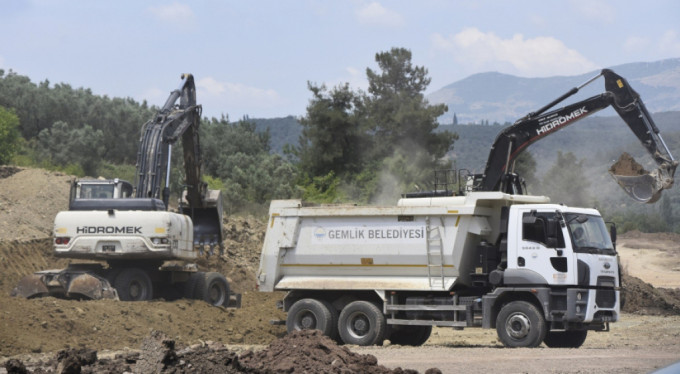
(65, 284)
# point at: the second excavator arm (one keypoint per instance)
(513, 140)
(172, 122)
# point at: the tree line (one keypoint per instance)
(349, 140)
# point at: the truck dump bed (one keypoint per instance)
(420, 244)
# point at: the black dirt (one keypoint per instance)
(306, 351)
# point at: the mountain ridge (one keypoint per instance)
(499, 97)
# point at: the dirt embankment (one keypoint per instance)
(49, 324)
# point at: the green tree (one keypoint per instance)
(9, 135)
(332, 138)
(399, 114)
(239, 156)
(379, 142)
(64, 146)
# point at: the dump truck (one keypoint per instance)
(537, 272)
(485, 255)
(135, 247)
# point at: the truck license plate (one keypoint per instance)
(109, 248)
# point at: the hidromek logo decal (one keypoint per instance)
(109, 230)
(559, 121)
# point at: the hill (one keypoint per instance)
(501, 97)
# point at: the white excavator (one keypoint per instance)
(136, 248)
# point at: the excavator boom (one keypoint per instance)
(513, 140)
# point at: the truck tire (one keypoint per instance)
(335, 315)
(410, 335)
(213, 289)
(520, 324)
(133, 284)
(310, 314)
(362, 323)
(565, 339)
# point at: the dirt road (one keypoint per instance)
(636, 344)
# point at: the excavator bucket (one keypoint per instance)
(65, 284)
(642, 186)
(207, 219)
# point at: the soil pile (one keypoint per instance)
(243, 238)
(40, 325)
(627, 166)
(29, 200)
(643, 298)
(298, 352)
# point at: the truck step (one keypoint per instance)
(394, 321)
(399, 308)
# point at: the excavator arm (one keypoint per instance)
(172, 122)
(513, 140)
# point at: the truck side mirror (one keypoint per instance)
(612, 234)
(551, 229)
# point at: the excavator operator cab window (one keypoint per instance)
(94, 191)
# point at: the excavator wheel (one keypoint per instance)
(133, 284)
(214, 289)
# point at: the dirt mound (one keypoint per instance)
(298, 352)
(38, 325)
(626, 165)
(29, 200)
(643, 298)
(243, 238)
(312, 352)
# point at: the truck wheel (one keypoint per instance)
(214, 289)
(310, 314)
(333, 328)
(362, 323)
(520, 324)
(133, 284)
(565, 339)
(410, 335)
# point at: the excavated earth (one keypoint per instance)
(627, 166)
(55, 335)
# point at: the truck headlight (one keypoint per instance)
(159, 241)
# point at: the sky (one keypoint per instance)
(256, 58)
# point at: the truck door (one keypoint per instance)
(542, 247)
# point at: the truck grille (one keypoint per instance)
(605, 298)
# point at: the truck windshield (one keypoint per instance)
(589, 235)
